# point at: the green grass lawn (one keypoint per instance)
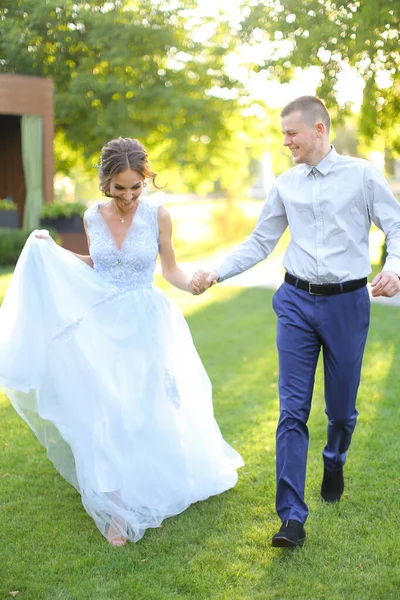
(220, 548)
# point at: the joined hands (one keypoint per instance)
(202, 280)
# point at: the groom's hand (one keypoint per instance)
(211, 278)
(202, 280)
(385, 284)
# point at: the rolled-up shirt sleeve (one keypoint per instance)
(384, 210)
(271, 224)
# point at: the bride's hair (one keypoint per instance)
(120, 155)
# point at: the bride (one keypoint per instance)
(102, 366)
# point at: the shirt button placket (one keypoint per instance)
(318, 221)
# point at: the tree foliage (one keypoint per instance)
(131, 69)
(328, 33)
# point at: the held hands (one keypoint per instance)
(385, 284)
(202, 280)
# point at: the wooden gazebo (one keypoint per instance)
(20, 179)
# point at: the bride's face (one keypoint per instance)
(126, 187)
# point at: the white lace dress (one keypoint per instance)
(102, 367)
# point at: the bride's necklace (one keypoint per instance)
(122, 219)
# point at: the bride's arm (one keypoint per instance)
(170, 270)
(43, 234)
(85, 258)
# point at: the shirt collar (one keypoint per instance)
(324, 165)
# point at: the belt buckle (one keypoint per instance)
(311, 286)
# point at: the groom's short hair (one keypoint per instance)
(312, 109)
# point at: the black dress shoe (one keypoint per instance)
(290, 535)
(332, 485)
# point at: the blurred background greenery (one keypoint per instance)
(201, 84)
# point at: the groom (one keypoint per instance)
(328, 201)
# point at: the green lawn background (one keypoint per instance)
(220, 549)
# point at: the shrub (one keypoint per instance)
(8, 205)
(11, 243)
(55, 210)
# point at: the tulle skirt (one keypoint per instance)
(111, 384)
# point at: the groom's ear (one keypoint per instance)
(320, 128)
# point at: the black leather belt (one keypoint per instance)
(325, 289)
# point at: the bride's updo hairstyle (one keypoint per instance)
(120, 155)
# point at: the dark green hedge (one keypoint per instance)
(8, 205)
(11, 243)
(55, 210)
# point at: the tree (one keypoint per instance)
(328, 33)
(126, 68)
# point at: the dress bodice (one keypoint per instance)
(132, 265)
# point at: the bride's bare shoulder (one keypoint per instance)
(104, 208)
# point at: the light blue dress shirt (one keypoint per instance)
(329, 209)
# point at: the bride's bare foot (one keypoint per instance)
(118, 541)
(114, 537)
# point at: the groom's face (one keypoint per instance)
(300, 137)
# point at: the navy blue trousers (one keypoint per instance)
(339, 325)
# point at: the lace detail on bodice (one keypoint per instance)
(131, 266)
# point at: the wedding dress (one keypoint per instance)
(102, 367)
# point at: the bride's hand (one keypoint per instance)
(202, 280)
(42, 234)
(195, 285)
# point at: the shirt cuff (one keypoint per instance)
(223, 272)
(392, 264)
